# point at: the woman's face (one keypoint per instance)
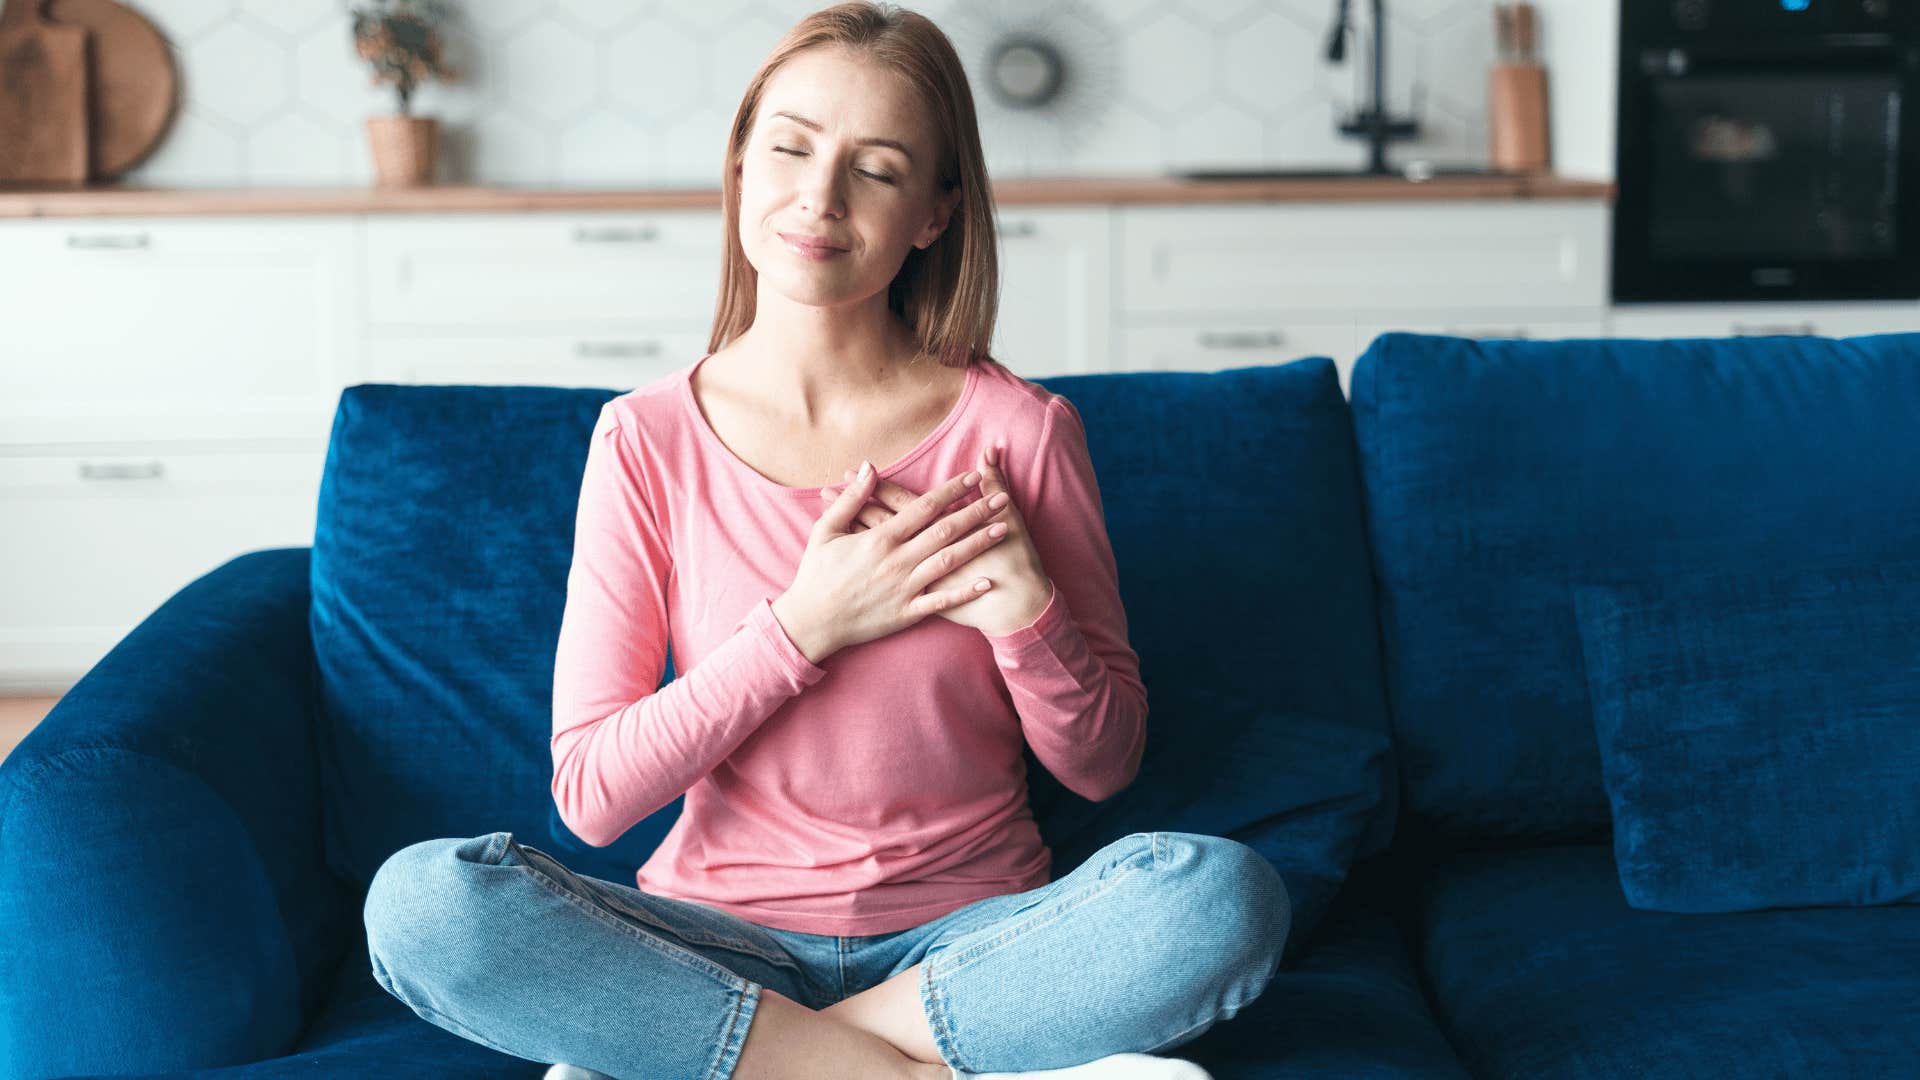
(808, 171)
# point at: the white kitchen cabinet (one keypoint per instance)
(1337, 259)
(149, 329)
(96, 539)
(1056, 283)
(554, 270)
(1750, 320)
(616, 357)
(1216, 346)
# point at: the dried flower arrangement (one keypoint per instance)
(401, 39)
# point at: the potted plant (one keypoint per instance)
(401, 40)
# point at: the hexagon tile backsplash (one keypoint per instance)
(621, 94)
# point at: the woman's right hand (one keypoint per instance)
(855, 586)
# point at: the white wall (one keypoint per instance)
(608, 93)
(1580, 42)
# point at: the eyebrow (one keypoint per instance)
(893, 143)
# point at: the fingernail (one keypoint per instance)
(866, 467)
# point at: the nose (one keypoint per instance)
(821, 187)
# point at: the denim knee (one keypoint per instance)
(422, 890)
(1226, 886)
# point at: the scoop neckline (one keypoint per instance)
(712, 438)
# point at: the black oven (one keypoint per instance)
(1768, 149)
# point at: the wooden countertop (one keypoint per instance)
(117, 200)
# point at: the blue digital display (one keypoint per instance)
(1794, 5)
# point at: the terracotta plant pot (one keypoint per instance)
(403, 149)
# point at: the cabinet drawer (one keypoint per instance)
(618, 358)
(660, 267)
(1753, 320)
(178, 327)
(1218, 346)
(95, 541)
(1348, 258)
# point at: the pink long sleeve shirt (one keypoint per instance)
(884, 786)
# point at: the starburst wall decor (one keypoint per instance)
(1043, 75)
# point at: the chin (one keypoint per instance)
(802, 288)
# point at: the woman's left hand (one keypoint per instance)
(1021, 588)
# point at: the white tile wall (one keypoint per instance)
(615, 93)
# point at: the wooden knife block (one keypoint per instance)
(1517, 118)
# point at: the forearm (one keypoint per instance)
(614, 768)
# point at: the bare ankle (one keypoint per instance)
(788, 1041)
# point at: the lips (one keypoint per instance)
(812, 243)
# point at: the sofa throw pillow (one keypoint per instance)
(1759, 734)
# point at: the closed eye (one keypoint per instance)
(862, 172)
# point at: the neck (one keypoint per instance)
(828, 361)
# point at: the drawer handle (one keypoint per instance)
(108, 241)
(615, 234)
(1496, 332)
(616, 349)
(1018, 228)
(1804, 329)
(114, 471)
(1245, 339)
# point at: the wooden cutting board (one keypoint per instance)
(43, 98)
(133, 87)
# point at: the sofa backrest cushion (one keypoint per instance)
(1500, 474)
(1232, 502)
(439, 577)
(440, 554)
(1759, 734)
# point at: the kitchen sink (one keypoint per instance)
(1414, 173)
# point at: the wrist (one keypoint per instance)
(807, 635)
(1030, 612)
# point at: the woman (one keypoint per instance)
(855, 886)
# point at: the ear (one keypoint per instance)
(942, 217)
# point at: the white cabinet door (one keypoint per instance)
(1345, 258)
(552, 270)
(1758, 320)
(95, 541)
(130, 329)
(617, 358)
(1218, 346)
(1055, 282)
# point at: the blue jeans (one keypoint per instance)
(1143, 947)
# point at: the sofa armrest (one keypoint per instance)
(163, 894)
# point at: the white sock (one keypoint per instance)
(1112, 1067)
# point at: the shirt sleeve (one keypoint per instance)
(1073, 677)
(623, 745)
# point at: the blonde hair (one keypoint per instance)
(949, 291)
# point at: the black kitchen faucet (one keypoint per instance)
(1372, 122)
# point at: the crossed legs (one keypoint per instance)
(881, 1033)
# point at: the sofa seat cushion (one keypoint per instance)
(1351, 1007)
(1538, 968)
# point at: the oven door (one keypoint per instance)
(1768, 173)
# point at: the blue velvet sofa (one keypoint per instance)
(1570, 685)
